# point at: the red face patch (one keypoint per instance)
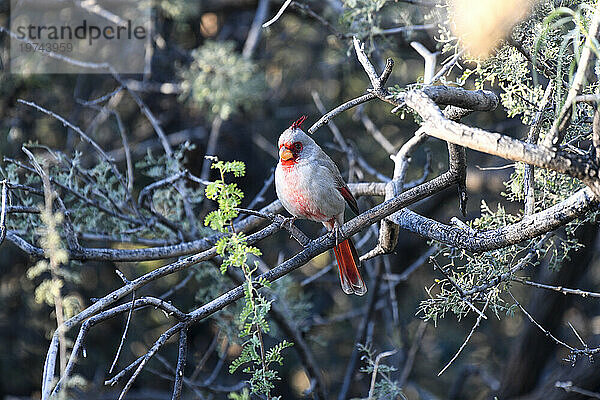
(289, 153)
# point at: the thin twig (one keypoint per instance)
(403, 29)
(211, 348)
(3, 211)
(570, 388)
(157, 345)
(283, 223)
(340, 109)
(577, 334)
(305, 8)
(412, 353)
(179, 285)
(124, 335)
(560, 289)
(279, 14)
(213, 139)
(181, 359)
(460, 290)
(468, 337)
(362, 163)
(219, 366)
(376, 133)
(255, 31)
(540, 327)
(337, 135)
(532, 137)
(259, 198)
(85, 137)
(367, 66)
(430, 61)
(170, 377)
(532, 256)
(100, 99)
(392, 292)
(361, 332)
(265, 145)
(395, 279)
(378, 359)
(447, 66)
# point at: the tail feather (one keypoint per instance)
(348, 262)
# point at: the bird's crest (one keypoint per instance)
(298, 123)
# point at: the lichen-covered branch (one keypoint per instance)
(531, 226)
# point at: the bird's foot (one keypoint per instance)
(288, 222)
(336, 232)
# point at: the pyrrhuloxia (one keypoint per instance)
(310, 186)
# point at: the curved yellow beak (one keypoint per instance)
(285, 154)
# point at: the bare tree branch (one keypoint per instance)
(3, 212)
(467, 338)
(500, 145)
(179, 371)
(529, 227)
(570, 388)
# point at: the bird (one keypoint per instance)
(310, 186)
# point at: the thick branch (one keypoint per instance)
(529, 227)
(152, 253)
(476, 100)
(437, 125)
(180, 249)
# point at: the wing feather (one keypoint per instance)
(349, 199)
(325, 161)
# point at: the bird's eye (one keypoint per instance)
(298, 146)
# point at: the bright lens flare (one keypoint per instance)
(482, 24)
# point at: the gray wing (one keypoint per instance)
(325, 161)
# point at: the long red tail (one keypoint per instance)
(348, 262)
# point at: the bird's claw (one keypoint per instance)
(288, 222)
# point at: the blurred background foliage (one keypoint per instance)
(198, 75)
